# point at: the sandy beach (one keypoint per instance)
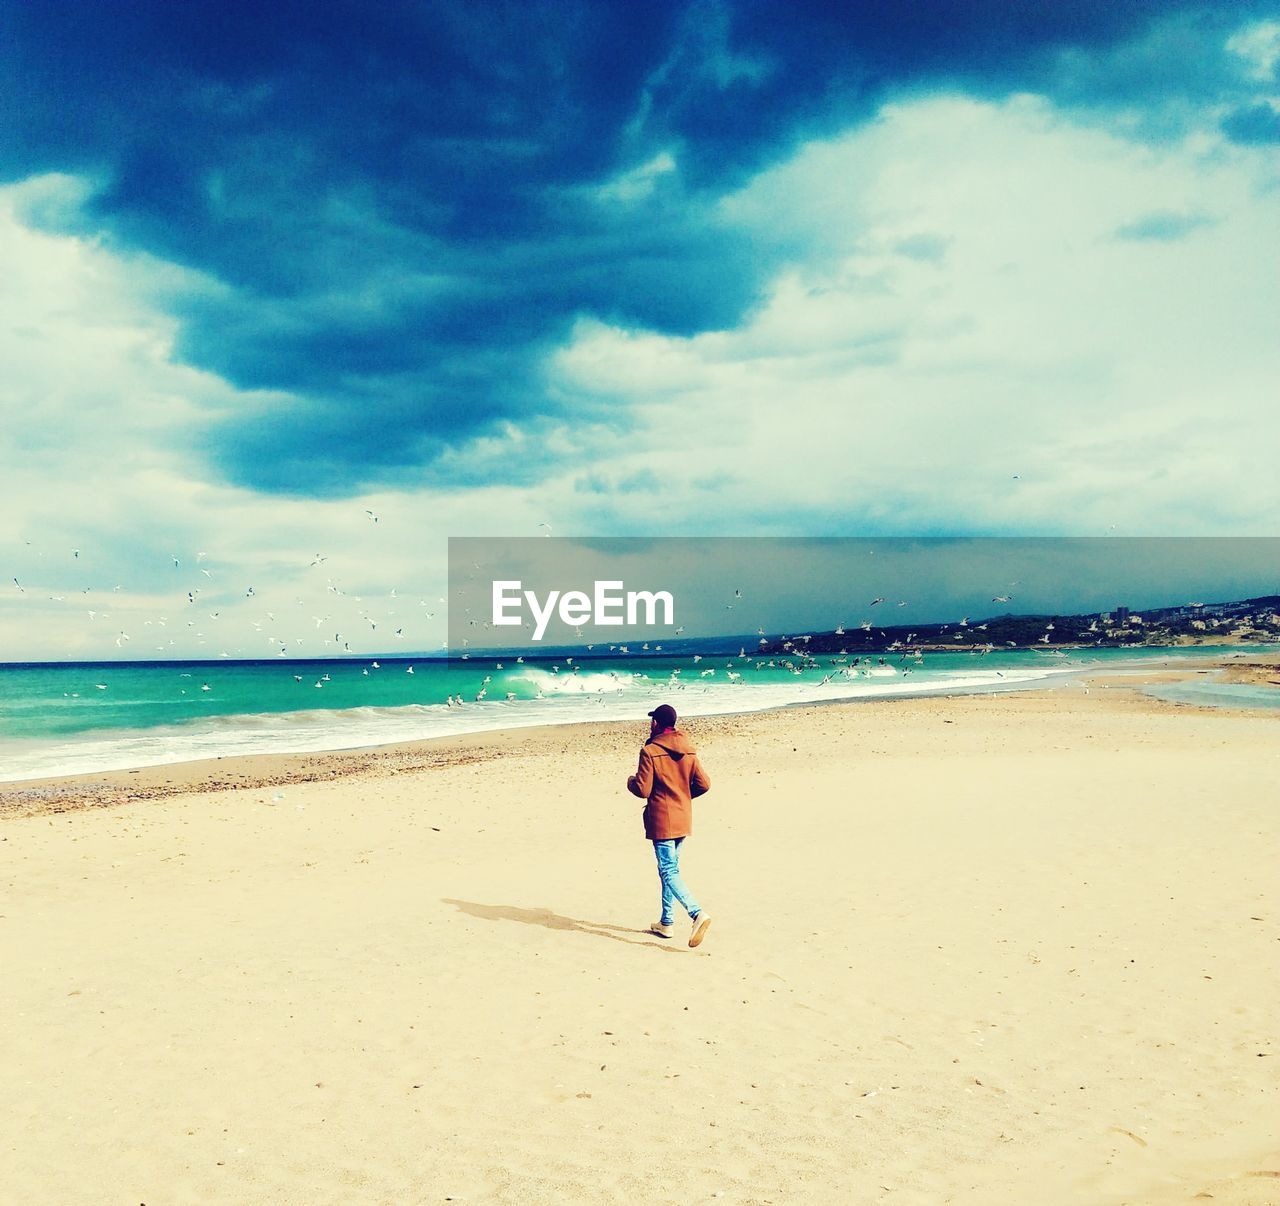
(1002, 949)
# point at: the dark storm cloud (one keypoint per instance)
(402, 204)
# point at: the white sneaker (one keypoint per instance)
(663, 931)
(700, 924)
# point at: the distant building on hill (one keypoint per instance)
(1122, 615)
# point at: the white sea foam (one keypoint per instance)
(568, 683)
(565, 698)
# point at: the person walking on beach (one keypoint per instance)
(669, 778)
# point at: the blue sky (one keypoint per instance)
(708, 268)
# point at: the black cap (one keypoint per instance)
(665, 715)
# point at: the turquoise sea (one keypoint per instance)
(69, 718)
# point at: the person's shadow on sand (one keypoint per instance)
(554, 921)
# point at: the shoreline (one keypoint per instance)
(229, 769)
(272, 771)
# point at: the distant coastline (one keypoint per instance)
(1235, 622)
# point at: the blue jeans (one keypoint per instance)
(673, 886)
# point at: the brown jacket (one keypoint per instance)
(670, 777)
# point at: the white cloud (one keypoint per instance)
(963, 311)
(639, 182)
(1259, 46)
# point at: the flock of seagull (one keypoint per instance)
(266, 625)
(202, 608)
